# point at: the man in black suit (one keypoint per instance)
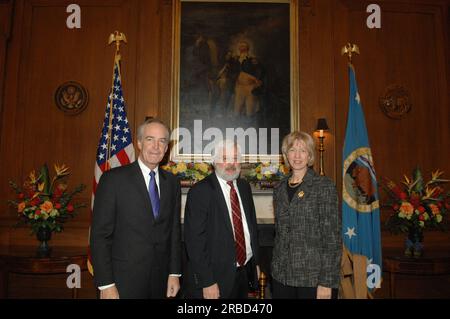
(220, 231)
(135, 235)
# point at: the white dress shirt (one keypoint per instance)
(226, 190)
(146, 173)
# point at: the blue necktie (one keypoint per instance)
(153, 192)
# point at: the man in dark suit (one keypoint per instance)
(135, 236)
(220, 231)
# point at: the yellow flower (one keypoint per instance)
(439, 218)
(436, 174)
(267, 174)
(41, 187)
(61, 170)
(198, 176)
(47, 206)
(54, 213)
(202, 167)
(181, 167)
(33, 178)
(259, 176)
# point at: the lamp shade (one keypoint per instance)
(322, 125)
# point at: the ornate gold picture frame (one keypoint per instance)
(235, 67)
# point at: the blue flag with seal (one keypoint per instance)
(360, 206)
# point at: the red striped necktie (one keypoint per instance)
(241, 254)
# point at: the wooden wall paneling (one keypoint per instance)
(408, 50)
(148, 60)
(6, 10)
(53, 54)
(11, 137)
(316, 76)
(166, 12)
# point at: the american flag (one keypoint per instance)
(115, 147)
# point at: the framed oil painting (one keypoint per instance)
(235, 75)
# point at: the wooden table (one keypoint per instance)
(24, 260)
(432, 263)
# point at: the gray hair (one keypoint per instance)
(217, 151)
(150, 120)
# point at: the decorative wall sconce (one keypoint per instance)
(321, 127)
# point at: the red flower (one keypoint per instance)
(402, 195)
(57, 205)
(70, 208)
(421, 209)
(447, 205)
(421, 217)
(415, 200)
(35, 201)
(57, 193)
(38, 212)
(20, 196)
(395, 207)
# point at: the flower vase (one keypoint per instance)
(414, 243)
(44, 234)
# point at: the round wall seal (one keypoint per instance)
(360, 185)
(396, 102)
(71, 98)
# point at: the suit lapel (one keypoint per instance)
(139, 181)
(306, 184)
(245, 200)
(223, 208)
(284, 198)
(163, 193)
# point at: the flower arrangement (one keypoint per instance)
(45, 202)
(266, 174)
(192, 172)
(417, 205)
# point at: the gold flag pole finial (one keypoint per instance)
(117, 37)
(349, 49)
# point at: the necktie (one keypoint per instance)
(153, 192)
(241, 254)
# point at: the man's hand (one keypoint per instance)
(109, 293)
(211, 292)
(173, 286)
(323, 292)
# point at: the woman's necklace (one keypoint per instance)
(293, 185)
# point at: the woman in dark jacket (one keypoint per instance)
(307, 249)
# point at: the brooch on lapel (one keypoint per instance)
(301, 194)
